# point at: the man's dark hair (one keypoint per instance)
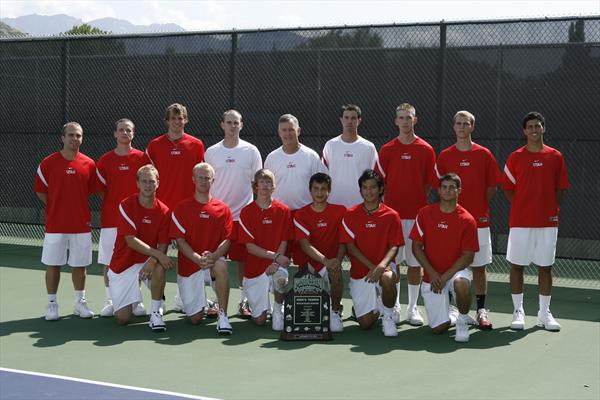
(320, 177)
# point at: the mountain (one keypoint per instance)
(117, 26)
(8, 31)
(44, 25)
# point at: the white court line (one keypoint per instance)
(114, 385)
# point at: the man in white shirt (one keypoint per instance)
(235, 161)
(347, 156)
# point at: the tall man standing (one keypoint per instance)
(64, 181)
(477, 168)
(116, 171)
(406, 163)
(174, 154)
(347, 156)
(235, 161)
(534, 181)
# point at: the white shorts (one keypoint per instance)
(257, 291)
(405, 253)
(484, 256)
(532, 245)
(125, 287)
(364, 294)
(437, 305)
(191, 291)
(106, 245)
(78, 245)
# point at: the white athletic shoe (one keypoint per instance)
(335, 323)
(139, 310)
(156, 323)
(107, 310)
(470, 320)
(388, 326)
(453, 315)
(82, 310)
(178, 306)
(277, 319)
(462, 329)
(518, 322)
(223, 325)
(396, 315)
(51, 312)
(414, 317)
(548, 322)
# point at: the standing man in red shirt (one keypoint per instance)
(445, 241)
(478, 171)
(317, 229)
(174, 154)
(116, 171)
(534, 181)
(266, 230)
(372, 233)
(406, 163)
(64, 182)
(202, 226)
(140, 250)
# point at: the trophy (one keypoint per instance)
(307, 308)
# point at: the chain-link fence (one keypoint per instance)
(498, 70)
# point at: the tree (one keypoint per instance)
(85, 29)
(342, 38)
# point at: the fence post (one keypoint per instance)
(233, 70)
(65, 80)
(441, 91)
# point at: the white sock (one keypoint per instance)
(387, 311)
(156, 305)
(107, 293)
(397, 303)
(52, 298)
(544, 304)
(277, 307)
(517, 301)
(79, 295)
(413, 295)
(463, 318)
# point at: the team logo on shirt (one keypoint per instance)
(442, 225)
(465, 163)
(483, 220)
(146, 220)
(70, 171)
(321, 224)
(229, 160)
(406, 156)
(348, 154)
(370, 225)
(175, 151)
(267, 221)
(123, 167)
(204, 215)
(291, 164)
(537, 164)
(553, 218)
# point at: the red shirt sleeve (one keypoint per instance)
(397, 236)
(346, 233)
(563, 179)
(508, 180)
(125, 220)
(177, 222)
(228, 225)
(417, 232)
(469, 240)
(245, 234)
(300, 229)
(41, 179)
(493, 173)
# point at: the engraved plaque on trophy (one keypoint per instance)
(306, 308)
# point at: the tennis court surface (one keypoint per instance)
(96, 359)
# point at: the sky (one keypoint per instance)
(209, 15)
